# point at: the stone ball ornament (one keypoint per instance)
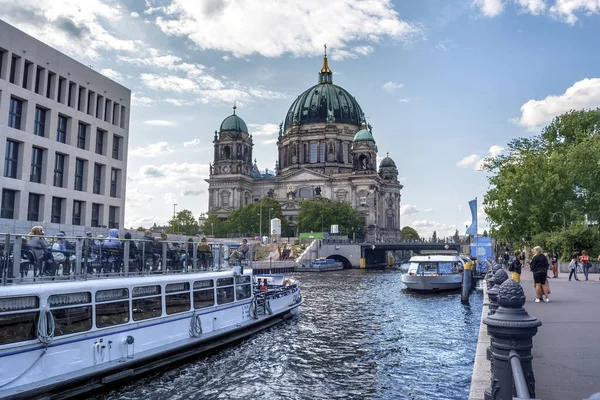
(511, 294)
(500, 276)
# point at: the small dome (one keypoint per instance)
(387, 162)
(233, 123)
(364, 135)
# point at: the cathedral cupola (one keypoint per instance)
(233, 123)
(387, 169)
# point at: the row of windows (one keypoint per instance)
(73, 312)
(15, 120)
(66, 92)
(316, 153)
(11, 170)
(35, 210)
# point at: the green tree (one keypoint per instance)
(409, 233)
(485, 233)
(215, 225)
(185, 223)
(456, 237)
(434, 236)
(318, 215)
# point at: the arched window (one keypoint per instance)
(226, 153)
(305, 193)
(225, 199)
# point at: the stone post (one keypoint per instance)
(490, 274)
(510, 328)
(499, 277)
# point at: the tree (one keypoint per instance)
(185, 223)
(456, 237)
(485, 233)
(434, 236)
(409, 233)
(319, 214)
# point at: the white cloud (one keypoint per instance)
(226, 58)
(270, 141)
(79, 28)
(140, 100)
(192, 143)
(426, 227)
(496, 150)
(444, 45)
(489, 8)
(404, 100)
(364, 50)
(152, 150)
(160, 122)
(134, 15)
(181, 102)
(583, 94)
(112, 74)
(407, 209)
(186, 193)
(175, 175)
(170, 198)
(391, 87)
(300, 28)
(534, 7)
(472, 160)
(263, 129)
(566, 9)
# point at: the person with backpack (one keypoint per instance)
(573, 266)
(585, 263)
(515, 267)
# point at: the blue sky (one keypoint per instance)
(444, 83)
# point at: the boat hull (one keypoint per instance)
(322, 268)
(424, 283)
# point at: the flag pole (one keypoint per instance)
(476, 235)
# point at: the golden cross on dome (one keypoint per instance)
(234, 107)
(387, 154)
(325, 50)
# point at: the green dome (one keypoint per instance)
(364, 135)
(234, 123)
(387, 162)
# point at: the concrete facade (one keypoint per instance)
(64, 134)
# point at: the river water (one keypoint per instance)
(359, 335)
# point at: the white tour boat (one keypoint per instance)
(321, 265)
(434, 272)
(65, 338)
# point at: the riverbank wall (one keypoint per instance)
(481, 377)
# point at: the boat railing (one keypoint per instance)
(36, 259)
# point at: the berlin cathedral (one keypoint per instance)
(325, 150)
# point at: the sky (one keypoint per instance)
(444, 83)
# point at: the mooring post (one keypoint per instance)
(467, 281)
(510, 328)
(499, 277)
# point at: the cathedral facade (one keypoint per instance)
(325, 150)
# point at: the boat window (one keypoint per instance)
(18, 327)
(110, 314)
(239, 280)
(176, 303)
(242, 292)
(203, 284)
(146, 290)
(111, 294)
(177, 287)
(204, 298)
(19, 303)
(447, 268)
(72, 320)
(225, 295)
(224, 281)
(146, 308)
(69, 299)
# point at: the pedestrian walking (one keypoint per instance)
(539, 267)
(515, 267)
(573, 266)
(555, 265)
(585, 263)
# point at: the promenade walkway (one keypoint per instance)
(566, 349)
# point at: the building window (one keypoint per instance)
(71, 94)
(81, 98)
(13, 69)
(37, 159)
(28, 65)
(39, 80)
(8, 204)
(313, 153)
(59, 169)
(89, 103)
(113, 217)
(225, 199)
(116, 147)
(11, 160)
(98, 178)
(122, 120)
(96, 214)
(61, 130)
(57, 203)
(15, 113)
(82, 136)
(114, 178)
(62, 83)
(322, 152)
(346, 151)
(50, 85)
(33, 207)
(77, 212)
(39, 127)
(100, 134)
(79, 173)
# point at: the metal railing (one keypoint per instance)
(36, 259)
(518, 375)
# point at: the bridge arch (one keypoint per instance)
(342, 259)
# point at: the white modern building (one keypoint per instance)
(64, 132)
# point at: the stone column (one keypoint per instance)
(510, 328)
(499, 277)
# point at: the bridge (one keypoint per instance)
(375, 254)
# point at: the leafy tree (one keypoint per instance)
(185, 223)
(434, 236)
(140, 229)
(215, 225)
(409, 233)
(318, 215)
(456, 237)
(485, 233)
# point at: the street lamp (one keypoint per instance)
(212, 229)
(564, 219)
(260, 224)
(174, 222)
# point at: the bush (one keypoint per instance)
(575, 238)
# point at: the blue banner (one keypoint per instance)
(472, 230)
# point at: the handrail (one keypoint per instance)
(518, 375)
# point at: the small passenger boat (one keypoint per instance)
(65, 338)
(321, 265)
(434, 272)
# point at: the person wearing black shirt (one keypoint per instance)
(515, 267)
(539, 267)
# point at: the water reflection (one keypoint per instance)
(360, 335)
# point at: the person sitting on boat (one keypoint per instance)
(113, 241)
(204, 252)
(59, 250)
(264, 287)
(151, 255)
(39, 245)
(240, 252)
